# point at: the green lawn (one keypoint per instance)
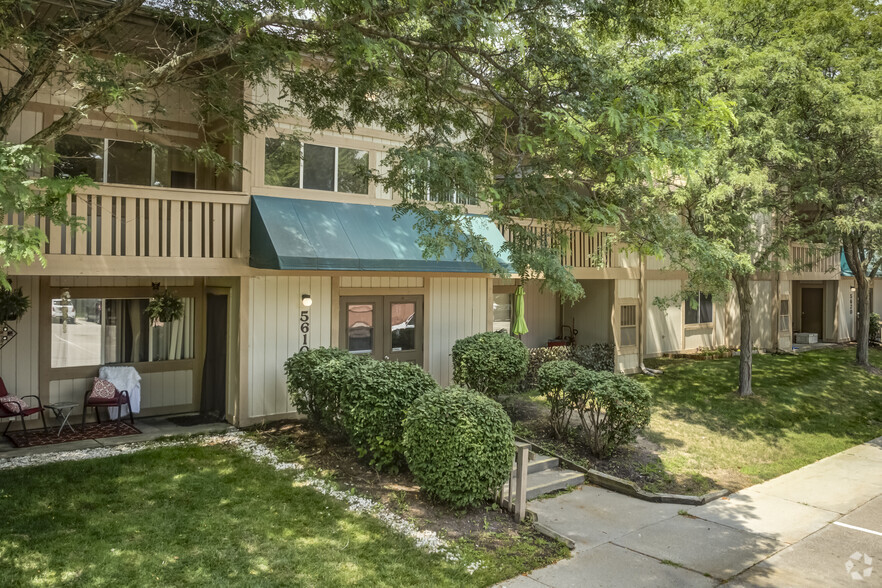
(203, 516)
(804, 408)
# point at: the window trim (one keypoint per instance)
(699, 324)
(114, 293)
(620, 304)
(789, 315)
(370, 155)
(105, 162)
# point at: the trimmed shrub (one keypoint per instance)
(315, 379)
(874, 327)
(611, 408)
(489, 363)
(374, 406)
(552, 380)
(598, 357)
(539, 356)
(459, 445)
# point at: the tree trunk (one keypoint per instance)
(745, 364)
(855, 253)
(862, 323)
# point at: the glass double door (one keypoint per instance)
(384, 327)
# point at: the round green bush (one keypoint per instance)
(611, 408)
(553, 379)
(315, 380)
(374, 406)
(490, 363)
(459, 445)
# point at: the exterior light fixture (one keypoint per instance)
(306, 300)
(852, 288)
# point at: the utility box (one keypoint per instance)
(806, 338)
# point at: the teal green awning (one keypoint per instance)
(292, 234)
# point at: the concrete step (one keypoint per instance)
(539, 463)
(548, 481)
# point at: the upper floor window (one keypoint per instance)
(699, 309)
(293, 164)
(128, 162)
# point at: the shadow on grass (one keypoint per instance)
(194, 516)
(817, 393)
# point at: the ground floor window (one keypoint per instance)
(502, 313)
(699, 309)
(98, 331)
(627, 325)
(784, 320)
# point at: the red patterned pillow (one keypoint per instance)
(102, 390)
(9, 403)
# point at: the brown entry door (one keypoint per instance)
(813, 311)
(383, 327)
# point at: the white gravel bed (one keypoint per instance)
(424, 539)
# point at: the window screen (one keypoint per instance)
(784, 320)
(282, 163)
(628, 325)
(129, 163)
(78, 156)
(699, 309)
(352, 166)
(318, 167)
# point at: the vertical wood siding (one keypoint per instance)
(662, 328)
(456, 308)
(381, 282)
(542, 315)
(158, 389)
(274, 335)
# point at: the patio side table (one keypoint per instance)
(62, 411)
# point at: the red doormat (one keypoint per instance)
(80, 433)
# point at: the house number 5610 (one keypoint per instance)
(304, 329)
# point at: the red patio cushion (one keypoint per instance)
(8, 403)
(102, 390)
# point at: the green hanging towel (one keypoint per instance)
(520, 325)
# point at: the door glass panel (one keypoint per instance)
(360, 327)
(403, 320)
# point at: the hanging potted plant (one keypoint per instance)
(13, 304)
(164, 308)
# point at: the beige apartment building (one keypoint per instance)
(299, 251)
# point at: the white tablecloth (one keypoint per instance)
(124, 378)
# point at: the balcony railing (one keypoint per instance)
(806, 258)
(150, 223)
(584, 251)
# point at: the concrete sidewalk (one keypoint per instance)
(818, 526)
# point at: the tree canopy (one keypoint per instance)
(534, 108)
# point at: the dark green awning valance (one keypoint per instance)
(292, 234)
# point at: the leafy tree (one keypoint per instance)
(835, 120)
(731, 217)
(534, 108)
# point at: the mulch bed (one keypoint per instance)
(85, 432)
(638, 462)
(485, 526)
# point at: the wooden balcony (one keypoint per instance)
(129, 221)
(807, 259)
(593, 251)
